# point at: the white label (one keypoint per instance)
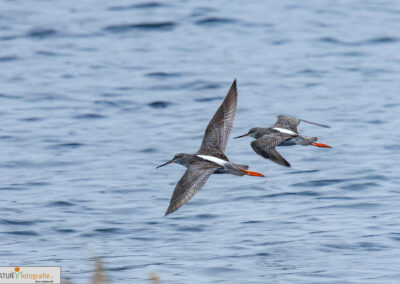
(30, 274)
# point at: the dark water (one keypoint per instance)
(95, 94)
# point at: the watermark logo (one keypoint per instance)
(30, 274)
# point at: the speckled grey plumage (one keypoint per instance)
(214, 144)
(268, 138)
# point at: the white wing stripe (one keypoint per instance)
(286, 131)
(216, 160)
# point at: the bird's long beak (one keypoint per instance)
(169, 162)
(242, 136)
(321, 145)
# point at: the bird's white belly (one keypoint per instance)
(286, 131)
(216, 160)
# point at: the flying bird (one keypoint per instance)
(282, 133)
(210, 158)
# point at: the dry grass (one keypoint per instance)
(100, 277)
(154, 277)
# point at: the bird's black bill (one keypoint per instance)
(169, 162)
(241, 136)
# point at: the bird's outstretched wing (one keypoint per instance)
(220, 126)
(291, 123)
(191, 182)
(265, 147)
(314, 123)
(287, 122)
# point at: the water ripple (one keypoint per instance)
(210, 99)
(61, 204)
(22, 233)
(65, 231)
(8, 58)
(159, 104)
(144, 5)
(300, 193)
(319, 183)
(41, 33)
(360, 186)
(155, 26)
(107, 230)
(89, 116)
(361, 205)
(71, 145)
(31, 119)
(17, 222)
(372, 41)
(213, 21)
(163, 74)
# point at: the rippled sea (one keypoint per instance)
(95, 94)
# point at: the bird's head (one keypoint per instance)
(178, 158)
(255, 132)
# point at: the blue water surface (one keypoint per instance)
(95, 94)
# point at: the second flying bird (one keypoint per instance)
(282, 133)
